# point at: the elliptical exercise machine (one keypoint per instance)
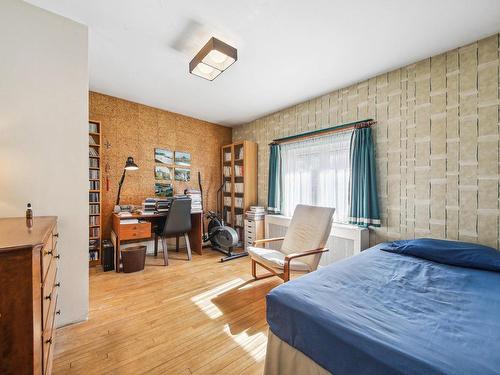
(221, 237)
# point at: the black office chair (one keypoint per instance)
(177, 222)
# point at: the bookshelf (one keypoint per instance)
(239, 175)
(95, 194)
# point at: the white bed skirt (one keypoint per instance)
(283, 359)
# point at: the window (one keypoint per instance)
(316, 172)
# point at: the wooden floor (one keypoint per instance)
(198, 317)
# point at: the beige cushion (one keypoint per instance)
(309, 229)
(275, 259)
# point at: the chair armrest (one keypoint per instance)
(289, 257)
(257, 242)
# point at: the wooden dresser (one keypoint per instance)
(28, 294)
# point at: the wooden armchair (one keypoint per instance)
(302, 247)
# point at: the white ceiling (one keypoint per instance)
(288, 50)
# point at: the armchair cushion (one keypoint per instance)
(275, 259)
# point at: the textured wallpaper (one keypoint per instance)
(134, 129)
(437, 142)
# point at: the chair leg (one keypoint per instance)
(286, 274)
(156, 244)
(254, 269)
(177, 243)
(165, 250)
(188, 245)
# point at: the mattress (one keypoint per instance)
(387, 313)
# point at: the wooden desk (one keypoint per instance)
(143, 231)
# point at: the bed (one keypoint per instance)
(407, 307)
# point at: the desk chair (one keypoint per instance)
(302, 247)
(177, 222)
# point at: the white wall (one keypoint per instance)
(43, 135)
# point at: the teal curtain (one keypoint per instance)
(364, 208)
(274, 182)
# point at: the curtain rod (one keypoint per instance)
(317, 133)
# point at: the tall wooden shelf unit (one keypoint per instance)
(95, 196)
(239, 175)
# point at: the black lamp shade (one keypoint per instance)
(130, 165)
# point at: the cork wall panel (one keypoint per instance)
(131, 129)
(437, 142)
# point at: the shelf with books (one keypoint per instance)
(239, 175)
(95, 193)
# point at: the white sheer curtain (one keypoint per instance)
(316, 171)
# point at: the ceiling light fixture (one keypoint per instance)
(215, 57)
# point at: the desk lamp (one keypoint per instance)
(129, 166)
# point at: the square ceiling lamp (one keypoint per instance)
(215, 57)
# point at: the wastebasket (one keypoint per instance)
(133, 258)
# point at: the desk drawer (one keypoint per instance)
(135, 231)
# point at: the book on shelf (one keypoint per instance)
(94, 197)
(93, 127)
(93, 163)
(227, 171)
(93, 174)
(94, 232)
(227, 156)
(238, 171)
(94, 185)
(94, 220)
(94, 255)
(238, 220)
(239, 187)
(93, 152)
(92, 140)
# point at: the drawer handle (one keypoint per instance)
(58, 312)
(49, 341)
(49, 296)
(48, 252)
(56, 234)
(58, 284)
(58, 256)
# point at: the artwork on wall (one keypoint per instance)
(163, 189)
(182, 174)
(183, 158)
(164, 156)
(163, 173)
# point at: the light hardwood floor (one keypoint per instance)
(198, 317)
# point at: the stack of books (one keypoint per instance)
(149, 206)
(256, 213)
(195, 196)
(162, 205)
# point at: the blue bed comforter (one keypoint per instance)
(383, 312)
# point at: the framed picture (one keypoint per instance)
(164, 156)
(182, 158)
(163, 190)
(163, 173)
(182, 174)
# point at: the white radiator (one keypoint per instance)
(345, 240)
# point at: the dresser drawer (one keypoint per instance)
(48, 341)
(135, 231)
(49, 293)
(46, 258)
